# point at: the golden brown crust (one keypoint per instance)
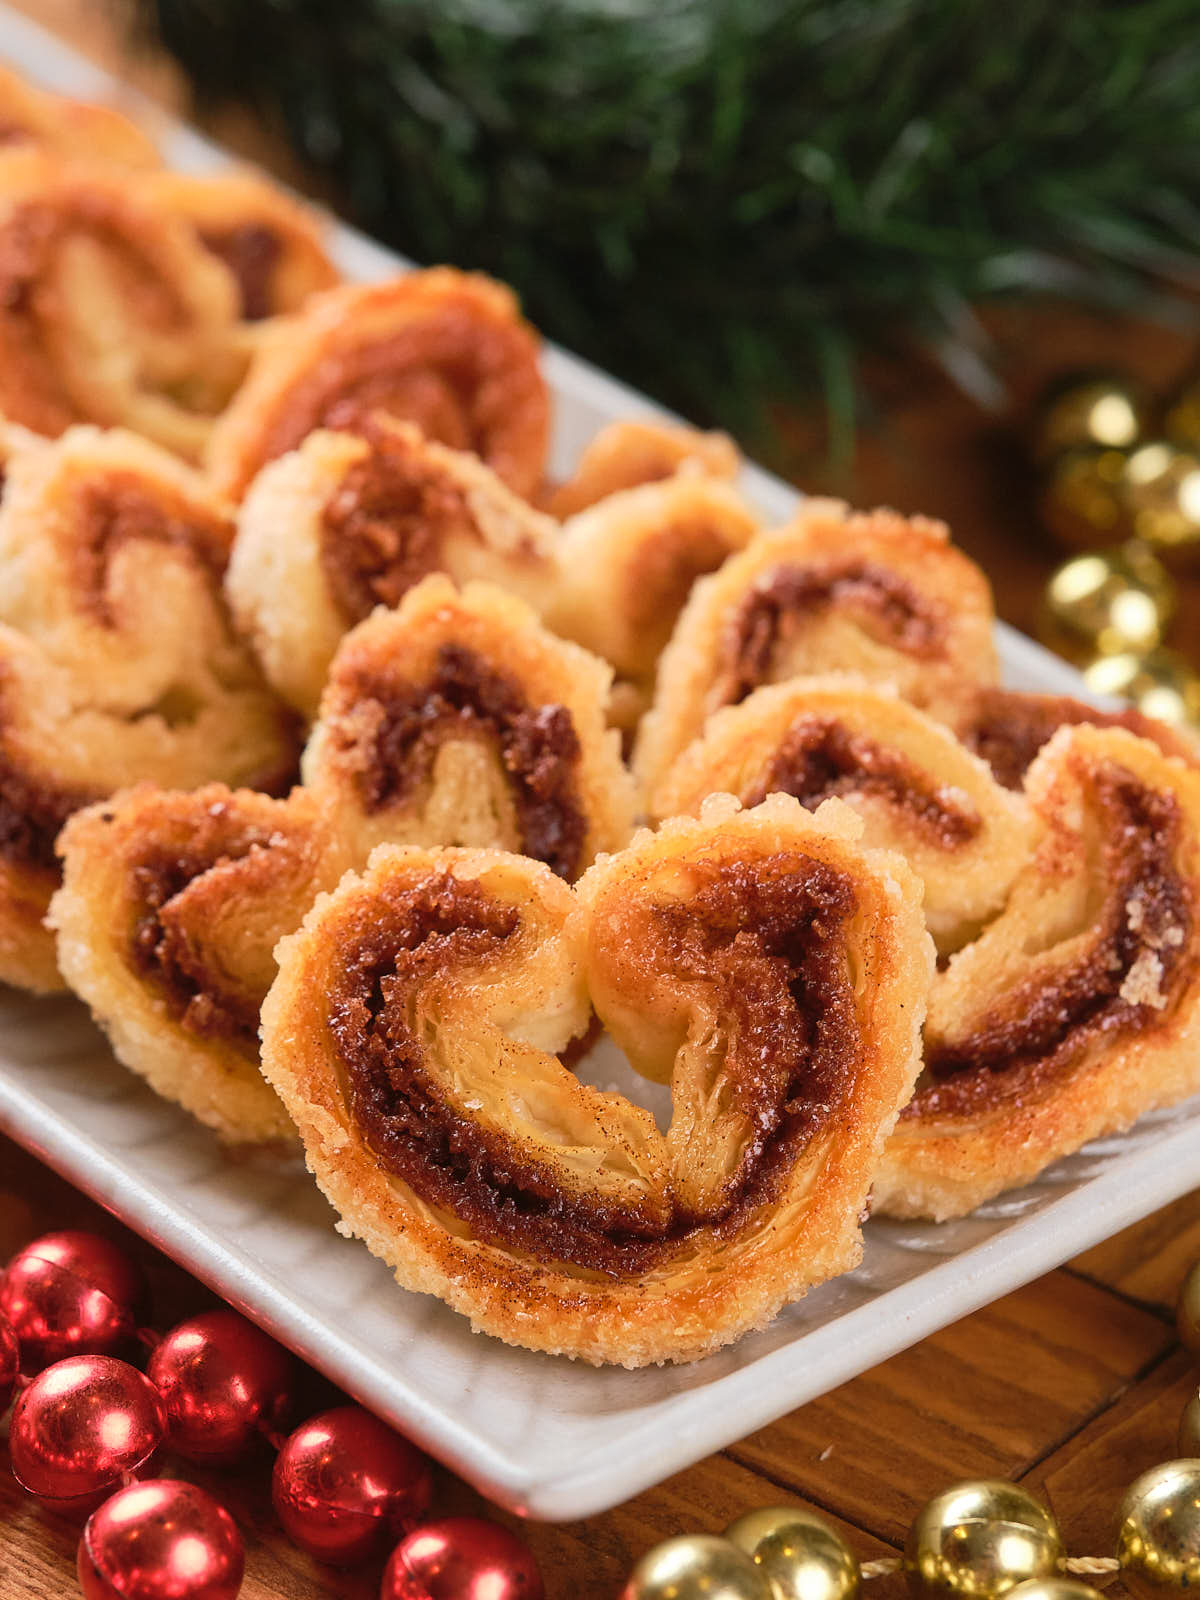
(346, 523)
(112, 311)
(566, 1222)
(1078, 1008)
(447, 350)
(117, 660)
(79, 128)
(916, 788)
(458, 719)
(271, 242)
(624, 455)
(167, 920)
(629, 563)
(874, 593)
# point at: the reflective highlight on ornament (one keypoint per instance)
(801, 1556)
(1100, 410)
(1082, 500)
(1158, 1531)
(1113, 600)
(1160, 683)
(160, 1540)
(978, 1540)
(71, 1293)
(223, 1382)
(462, 1558)
(696, 1566)
(1161, 486)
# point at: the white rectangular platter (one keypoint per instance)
(544, 1436)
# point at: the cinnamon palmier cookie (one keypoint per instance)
(447, 350)
(626, 454)
(874, 593)
(916, 788)
(628, 564)
(117, 659)
(167, 920)
(111, 310)
(458, 719)
(1078, 1008)
(1008, 728)
(29, 115)
(761, 962)
(270, 242)
(348, 522)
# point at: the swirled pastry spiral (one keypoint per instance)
(764, 964)
(916, 788)
(29, 115)
(628, 564)
(348, 522)
(444, 349)
(459, 719)
(167, 921)
(624, 455)
(270, 242)
(117, 660)
(874, 593)
(1078, 1008)
(455, 717)
(111, 311)
(1008, 728)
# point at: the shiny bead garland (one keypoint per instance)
(1129, 501)
(88, 1428)
(978, 1540)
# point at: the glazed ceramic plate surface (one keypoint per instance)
(542, 1435)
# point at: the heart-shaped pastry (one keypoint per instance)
(1078, 1008)
(456, 717)
(761, 962)
(117, 658)
(874, 593)
(447, 350)
(916, 788)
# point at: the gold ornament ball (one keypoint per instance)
(1160, 683)
(1111, 600)
(1082, 500)
(799, 1554)
(1161, 489)
(696, 1566)
(1100, 409)
(978, 1540)
(1054, 1589)
(1188, 1443)
(1158, 1531)
(1187, 1310)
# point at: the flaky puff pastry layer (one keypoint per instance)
(873, 593)
(111, 310)
(70, 127)
(628, 564)
(447, 350)
(761, 961)
(459, 719)
(348, 522)
(1078, 1009)
(624, 455)
(117, 659)
(167, 920)
(271, 242)
(916, 788)
(443, 722)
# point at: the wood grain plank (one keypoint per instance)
(985, 1397)
(1148, 1260)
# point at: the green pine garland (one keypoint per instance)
(728, 199)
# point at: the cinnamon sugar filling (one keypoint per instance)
(820, 757)
(32, 813)
(116, 510)
(766, 956)
(398, 728)
(251, 251)
(760, 626)
(1010, 728)
(1122, 985)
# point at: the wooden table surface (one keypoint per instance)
(1074, 1384)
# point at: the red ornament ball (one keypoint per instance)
(70, 1294)
(10, 1362)
(223, 1380)
(80, 1427)
(345, 1485)
(462, 1558)
(160, 1540)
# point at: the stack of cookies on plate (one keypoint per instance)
(356, 775)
